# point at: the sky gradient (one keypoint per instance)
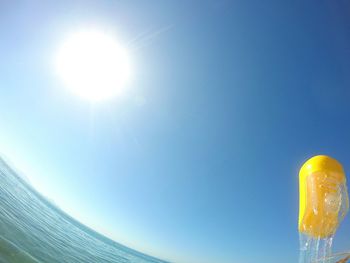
(198, 160)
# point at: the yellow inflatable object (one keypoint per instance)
(323, 196)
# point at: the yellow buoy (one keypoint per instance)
(323, 196)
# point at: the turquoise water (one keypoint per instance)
(34, 230)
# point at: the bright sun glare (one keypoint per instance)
(93, 65)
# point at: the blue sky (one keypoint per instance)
(198, 160)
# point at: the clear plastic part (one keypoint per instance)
(315, 249)
(337, 258)
(327, 205)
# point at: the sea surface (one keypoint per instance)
(34, 230)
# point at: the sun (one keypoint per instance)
(93, 65)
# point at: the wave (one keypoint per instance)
(32, 229)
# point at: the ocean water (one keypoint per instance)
(34, 230)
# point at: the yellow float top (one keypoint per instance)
(320, 181)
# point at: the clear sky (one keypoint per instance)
(197, 162)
